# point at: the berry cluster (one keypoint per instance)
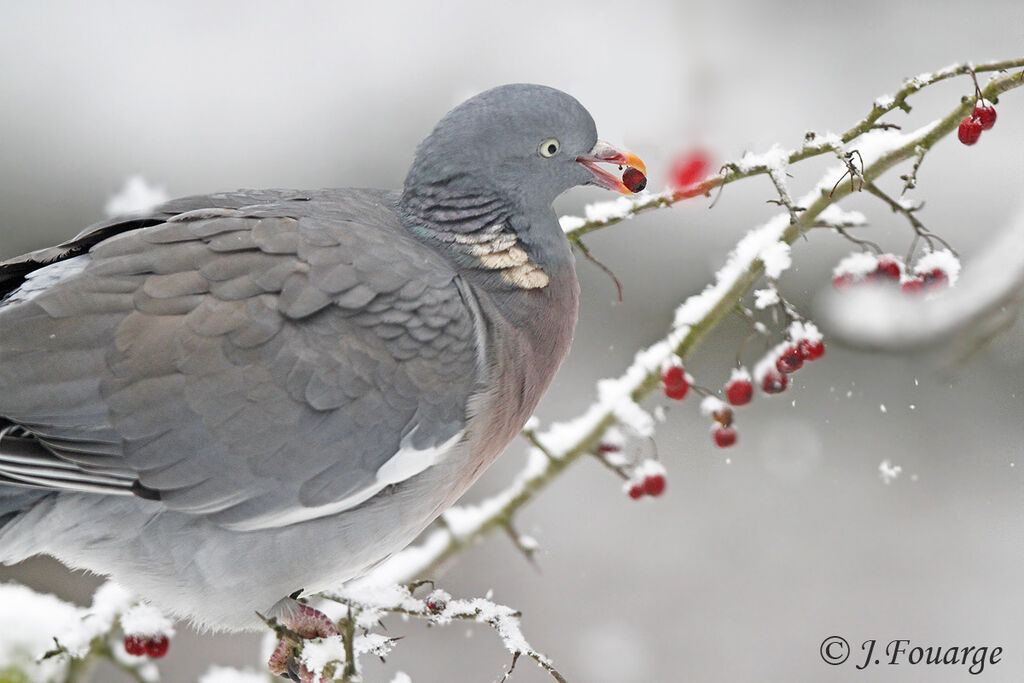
(803, 343)
(982, 118)
(675, 380)
(933, 271)
(148, 646)
(648, 480)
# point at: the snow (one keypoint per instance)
(612, 210)
(613, 436)
(648, 468)
(601, 212)
(381, 599)
(135, 196)
(776, 159)
(29, 620)
(888, 472)
(109, 601)
(885, 102)
(31, 623)
(697, 307)
(376, 644)
(145, 620)
(875, 143)
(739, 374)
(767, 363)
(765, 298)
(317, 654)
(571, 223)
(776, 259)
(878, 319)
(437, 599)
(857, 264)
(401, 677)
(711, 405)
(800, 330)
(835, 215)
(943, 260)
(528, 542)
(826, 140)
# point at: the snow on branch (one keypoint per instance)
(880, 319)
(366, 605)
(47, 640)
(880, 148)
(603, 214)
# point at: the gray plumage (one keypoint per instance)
(239, 395)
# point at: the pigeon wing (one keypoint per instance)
(258, 366)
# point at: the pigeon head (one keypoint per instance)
(517, 145)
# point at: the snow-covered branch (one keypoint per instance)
(603, 214)
(991, 287)
(880, 147)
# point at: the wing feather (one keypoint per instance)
(260, 365)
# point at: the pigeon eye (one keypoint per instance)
(549, 148)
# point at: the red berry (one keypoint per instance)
(935, 278)
(634, 179)
(135, 645)
(739, 392)
(654, 485)
(843, 281)
(607, 448)
(724, 436)
(436, 602)
(789, 361)
(690, 169)
(912, 286)
(636, 491)
(675, 383)
(987, 116)
(774, 382)
(970, 130)
(157, 647)
(888, 269)
(811, 350)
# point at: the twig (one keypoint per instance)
(817, 145)
(642, 378)
(590, 257)
(919, 228)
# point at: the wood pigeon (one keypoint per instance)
(239, 395)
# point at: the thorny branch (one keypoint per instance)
(545, 464)
(817, 145)
(920, 232)
(437, 608)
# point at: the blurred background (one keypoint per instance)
(754, 554)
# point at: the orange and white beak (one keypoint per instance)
(603, 152)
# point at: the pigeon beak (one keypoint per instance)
(606, 153)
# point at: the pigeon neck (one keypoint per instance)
(478, 232)
(436, 209)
